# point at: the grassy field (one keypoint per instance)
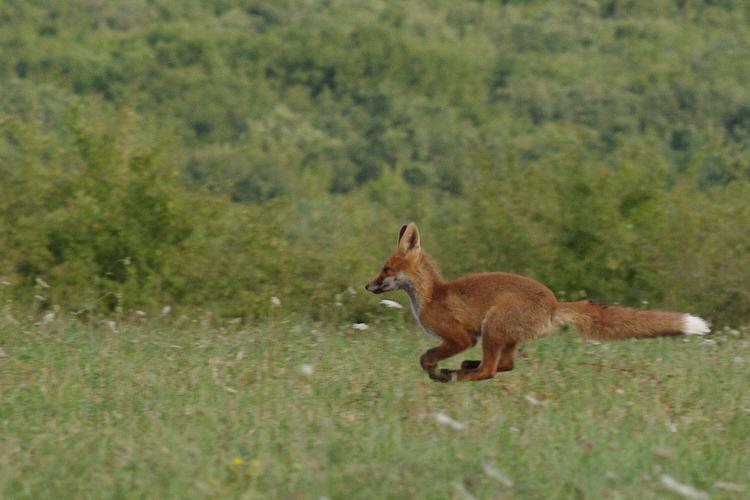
(294, 410)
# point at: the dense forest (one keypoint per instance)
(212, 154)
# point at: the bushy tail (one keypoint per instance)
(603, 322)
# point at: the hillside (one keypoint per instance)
(215, 154)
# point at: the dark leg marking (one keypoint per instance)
(470, 364)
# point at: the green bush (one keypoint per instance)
(215, 154)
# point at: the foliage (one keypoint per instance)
(217, 153)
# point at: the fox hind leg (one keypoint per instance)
(502, 328)
(491, 353)
(506, 359)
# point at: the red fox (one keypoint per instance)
(503, 309)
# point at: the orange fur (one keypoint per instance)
(501, 308)
(603, 322)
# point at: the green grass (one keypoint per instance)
(174, 411)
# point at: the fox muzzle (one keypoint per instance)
(380, 285)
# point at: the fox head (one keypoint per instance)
(402, 268)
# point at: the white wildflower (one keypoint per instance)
(139, 313)
(360, 326)
(230, 390)
(391, 303)
(681, 489)
(531, 399)
(41, 283)
(166, 310)
(497, 475)
(275, 301)
(306, 369)
(444, 419)
(48, 318)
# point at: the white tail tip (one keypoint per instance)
(693, 325)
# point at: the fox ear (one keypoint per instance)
(408, 238)
(401, 233)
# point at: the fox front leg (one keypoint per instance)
(430, 359)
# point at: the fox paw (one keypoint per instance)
(443, 375)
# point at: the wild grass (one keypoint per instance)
(290, 409)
